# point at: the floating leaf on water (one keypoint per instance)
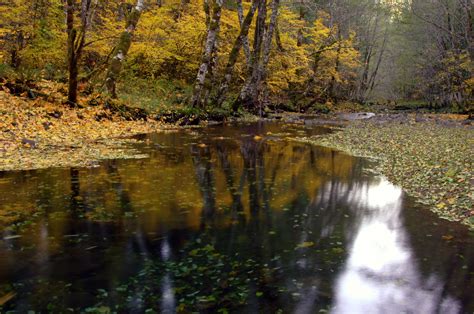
(12, 237)
(259, 293)
(7, 298)
(305, 245)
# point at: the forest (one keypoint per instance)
(300, 55)
(226, 156)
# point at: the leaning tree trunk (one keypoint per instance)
(212, 32)
(234, 54)
(245, 40)
(373, 77)
(122, 48)
(267, 44)
(248, 96)
(250, 93)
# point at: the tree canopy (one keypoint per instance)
(302, 54)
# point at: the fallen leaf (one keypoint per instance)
(7, 298)
(305, 245)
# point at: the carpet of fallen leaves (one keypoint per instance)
(430, 161)
(42, 133)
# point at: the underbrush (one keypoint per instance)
(154, 95)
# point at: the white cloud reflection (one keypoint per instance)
(381, 275)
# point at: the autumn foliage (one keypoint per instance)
(168, 43)
(320, 53)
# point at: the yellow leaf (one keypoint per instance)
(441, 205)
(7, 298)
(305, 245)
(447, 237)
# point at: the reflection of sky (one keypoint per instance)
(168, 302)
(380, 275)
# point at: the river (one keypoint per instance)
(227, 218)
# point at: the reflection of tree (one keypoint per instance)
(382, 263)
(251, 153)
(75, 189)
(204, 176)
(125, 204)
(117, 185)
(234, 188)
(453, 261)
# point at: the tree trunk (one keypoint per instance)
(122, 48)
(249, 93)
(267, 47)
(76, 42)
(300, 37)
(212, 33)
(245, 40)
(332, 84)
(234, 54)
(312, 79)
(72, 57)
(207, 11)
(373, 77)
(278, 38)
(369, 51)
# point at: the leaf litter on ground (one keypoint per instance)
(431, 161)
(38, 134)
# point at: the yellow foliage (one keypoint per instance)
(169, 41)
(324, 57)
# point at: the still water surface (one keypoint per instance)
(306, 230)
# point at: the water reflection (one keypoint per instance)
(323, 233)
(381, 275)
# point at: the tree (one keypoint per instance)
(211, 40)
(239, 42)
(249, 95)
(76, 41)
(122, 48)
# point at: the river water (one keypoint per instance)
(227, 218)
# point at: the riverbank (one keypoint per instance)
(41, 133)
(430, 158)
